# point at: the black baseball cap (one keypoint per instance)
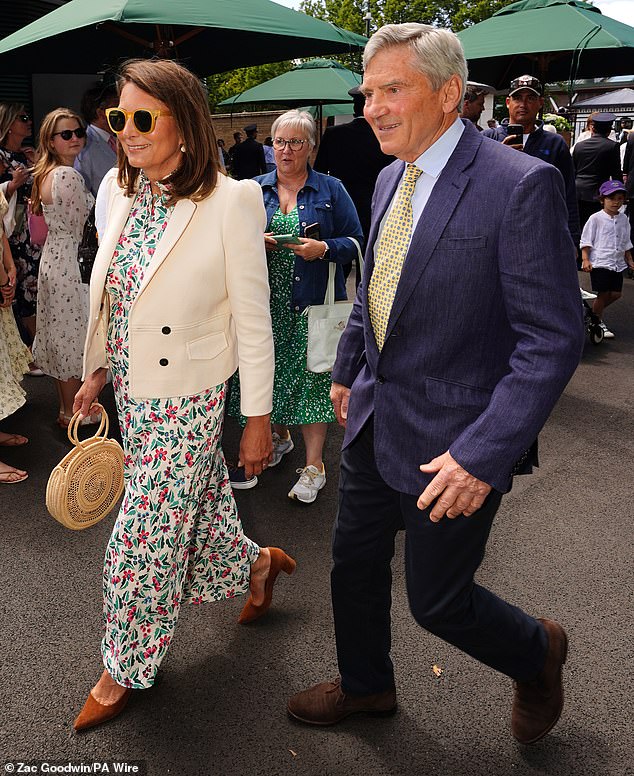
(527, 82)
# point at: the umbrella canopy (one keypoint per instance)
(209, 36)
(316, 82)
(619, 100)
(556, 40)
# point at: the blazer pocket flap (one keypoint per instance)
(208, 346)
(462, 243)
(456, 394)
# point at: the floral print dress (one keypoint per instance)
(62, 299)
(178, 536)
(14, 355)
(299, 396)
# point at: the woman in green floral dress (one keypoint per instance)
(297, 197)
(179, 298)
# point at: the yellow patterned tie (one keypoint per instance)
(390, 255)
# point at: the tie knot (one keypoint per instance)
(412, 173)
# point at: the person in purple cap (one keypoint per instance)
(606, 248)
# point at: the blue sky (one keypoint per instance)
(623, 10)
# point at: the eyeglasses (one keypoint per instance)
(144, 120)
(24, 117)
(66, 134)
(294, 143)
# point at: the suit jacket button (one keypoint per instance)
(380, 379)
(163, 362)
(166, 330)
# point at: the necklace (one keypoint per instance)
(290, 188)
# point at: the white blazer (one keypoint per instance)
(203, 306)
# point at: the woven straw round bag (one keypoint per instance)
(87, 483)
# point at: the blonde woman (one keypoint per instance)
(59, 192)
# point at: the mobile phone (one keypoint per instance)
(516, 131)
(281, 239)
(312, 231)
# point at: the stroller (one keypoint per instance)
(591, 320)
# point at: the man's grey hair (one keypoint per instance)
(436, 53)
(300, 120)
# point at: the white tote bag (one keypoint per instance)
(326, 323)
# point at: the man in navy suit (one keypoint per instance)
(447, 371)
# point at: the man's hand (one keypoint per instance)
(339, 396)
(508, 141)
(256, 445)
(456, 491)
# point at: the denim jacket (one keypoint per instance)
(322, 200)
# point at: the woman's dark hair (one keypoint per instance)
(184, 95)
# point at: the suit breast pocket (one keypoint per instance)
(465, 245)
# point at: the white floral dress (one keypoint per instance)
(62, 299)
(14, 355)
(178, 536)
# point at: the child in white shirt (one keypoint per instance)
(606, 248)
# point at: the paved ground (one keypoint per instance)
(561, 547)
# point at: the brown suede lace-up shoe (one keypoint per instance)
(326, 704)
(538, 704)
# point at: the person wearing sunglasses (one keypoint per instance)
(179, 299)
(317, 210)
(61, 196)
(18, 157)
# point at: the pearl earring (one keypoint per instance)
(183, 149)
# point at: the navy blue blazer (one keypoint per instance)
(486, 327)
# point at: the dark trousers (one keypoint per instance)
(441, 560)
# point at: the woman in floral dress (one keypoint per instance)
(14, 355)
(59, 192)
(179, 299)
(15, 177)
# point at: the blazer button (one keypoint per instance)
(380, 379)
(166, 330)
(163, 362)
(297, 279)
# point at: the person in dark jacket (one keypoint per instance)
(524, 102)
(596, 160)
(248, 156)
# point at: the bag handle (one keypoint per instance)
(73, 426)
(332, 271)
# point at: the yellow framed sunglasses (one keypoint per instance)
(144, 120)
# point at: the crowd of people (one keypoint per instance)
(196, 305)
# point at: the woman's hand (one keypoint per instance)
(19, 176)
(269, 243)
(88, 394)
(256, 445)
(309, 250)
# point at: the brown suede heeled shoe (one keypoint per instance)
(280, 561)
(95, 713)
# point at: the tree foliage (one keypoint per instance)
(349, 14)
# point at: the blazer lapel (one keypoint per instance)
(437, 213)
(182, 214)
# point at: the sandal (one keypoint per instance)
(11, 475)
(12, 440)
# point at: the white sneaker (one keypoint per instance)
(280, 448)
(607, 334)
(310, 482)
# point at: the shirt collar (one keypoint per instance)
(101, 133)
(433, 160)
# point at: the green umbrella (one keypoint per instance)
(316, 82)
(556, 40)
(209, 36)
